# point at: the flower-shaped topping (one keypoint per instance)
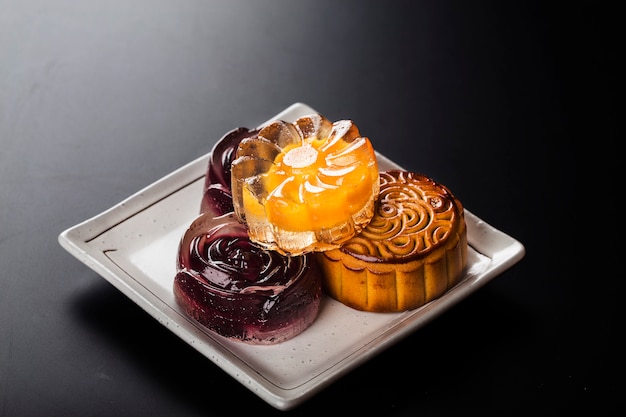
(305, 186)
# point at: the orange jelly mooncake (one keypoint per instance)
(305, 186)
(412, 251)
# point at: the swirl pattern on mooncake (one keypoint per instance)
(413, 216)
(412, 251)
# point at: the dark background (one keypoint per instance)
(100, 99)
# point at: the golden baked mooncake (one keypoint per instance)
(412, 251)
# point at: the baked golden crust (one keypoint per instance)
(413, 250)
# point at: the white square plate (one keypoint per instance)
(134, 245)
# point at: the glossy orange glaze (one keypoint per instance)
(313, 177)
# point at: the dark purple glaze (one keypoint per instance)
(230, 285)
(239, 290)
(217, 196)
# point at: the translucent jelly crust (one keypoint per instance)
(306, 186)
(232, 286)
(217, 196)
(239, 290)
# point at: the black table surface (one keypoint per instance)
(101, 99)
